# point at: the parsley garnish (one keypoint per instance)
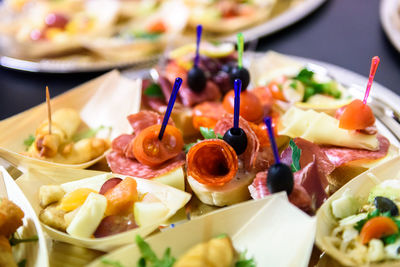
(15, 241)
(296, 153)
(148, 255)
(154, 90)
(207, 133)
(244, 262)
(312, 87)
(88, 133)
(111, 262)
(29, 141)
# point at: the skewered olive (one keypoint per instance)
(237, 139)
(241, 74)
(280, 178)
(197, 79)
(384, 204)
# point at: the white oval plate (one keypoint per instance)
(387, 15)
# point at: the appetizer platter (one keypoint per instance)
(22, 239)
(390, 20)
(63, 37)
(206, 129)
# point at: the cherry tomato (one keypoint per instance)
(356, 116)
(150, 151)
(207, 114)
(378, 227)
(251, 108)
(275, 88)
(157, 26)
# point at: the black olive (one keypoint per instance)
(384, 204)
(237, 139)
(197, 79)
(280, 178)
(241, 74)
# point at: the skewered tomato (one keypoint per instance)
(378, 227)
(207, 114)
(120, 198)
(151, 151)
(275, 88)
(250, 105)
(356, 116)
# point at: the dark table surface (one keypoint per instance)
(342, 32)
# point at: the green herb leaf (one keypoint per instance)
(29, 141)
(293, 85)
(22, 263)
(87, 133)
(390, 239)
(154, 90)
(244, 262)
(148, 255)
(296, 153)
(221, 236)
(305, 76)
(15, 241)
(208, 133)
(111, 262)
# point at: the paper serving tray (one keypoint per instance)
(33, 179)
(35, 253)
(360, 187)
(104, 101)
(272, 230)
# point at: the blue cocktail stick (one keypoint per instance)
(171, 102)
(238, 88)
(196, 59)
(268, 123)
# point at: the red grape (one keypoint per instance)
(115, 224)
(55, 20)
(111, 183)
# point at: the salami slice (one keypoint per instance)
(120, 164)
(299, 196)
(120, 143)
(250, 155)
(340, 155)
(190, 98)
(144, 119)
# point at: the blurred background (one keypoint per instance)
(88, 38)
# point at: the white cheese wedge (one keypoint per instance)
(232, 192)
(148, 213)
(320, 128)
(88, 217)
(175, 178)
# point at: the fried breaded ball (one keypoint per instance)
(54, 217)
(10, 217)
(6, 256)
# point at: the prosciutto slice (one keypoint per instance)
(299, 196)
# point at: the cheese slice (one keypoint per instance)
(320, 128)
(89, 216)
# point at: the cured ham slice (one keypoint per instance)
(144, 119)
(120, 164)
(299, 196)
